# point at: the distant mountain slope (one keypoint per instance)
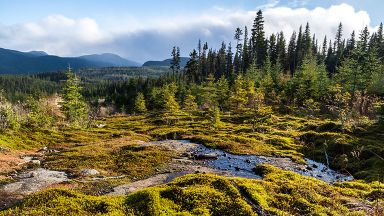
(15, 62)
(165, 63)
(110, 58)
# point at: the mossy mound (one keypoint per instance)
(67, 202)
(278, 193)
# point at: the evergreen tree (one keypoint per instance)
(192, 68)
(175, 62)
(291, 55)
(238, 98)
(215, 121)
(140, 106)
(73, 105)
(190, 105)
(171, 109)
(222, 89)
(246, 54)
(238, 56)
(259, 49)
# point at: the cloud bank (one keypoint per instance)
(153, 39)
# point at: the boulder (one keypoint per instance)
(89, 172)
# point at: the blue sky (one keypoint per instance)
(143, 30)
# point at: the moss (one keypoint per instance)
(289, 193)
(192, 194)
(64, 202)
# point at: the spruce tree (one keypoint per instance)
(171, 108)
(140, 106)
(73, 105)
(190, 105)
(238, 98)
(259, 48)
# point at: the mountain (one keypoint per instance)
(110, 58)
(16, 62)
(166, 63)
(37, 53)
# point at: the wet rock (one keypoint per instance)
(309, 168)
(89, 172)
(206, 156)
(237, 168)
(248, 161)
(314, 166)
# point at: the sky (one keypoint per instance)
(147, 30)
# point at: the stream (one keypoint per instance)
(243, 165)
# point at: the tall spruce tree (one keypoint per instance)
(259, 46)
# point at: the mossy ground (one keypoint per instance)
(279, 193)
(116, 150)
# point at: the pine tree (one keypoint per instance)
(140, 106)
(222, 89)
(259, 48)
(73, 105)
(238, 98)
(246, 56)
(238, 54)
(192, 68)
(171, 109)
(280, 49)
(272, 51)
(190, 105)
(175, 62)
(215, 121)
(291, 55)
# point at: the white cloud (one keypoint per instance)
(152, 39)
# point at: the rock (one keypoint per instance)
(34, 181)
(206, 157)
(309, 168)
(43, 149)
(3, 149)
(35, 162)
(101, 125)
(89, 172)
(237, 168)
(248, 161)
(314, 166)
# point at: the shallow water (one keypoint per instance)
(242, 165)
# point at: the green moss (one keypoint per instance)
(66, 202)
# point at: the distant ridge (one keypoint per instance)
(166, 63)
(110, 58)
(16, 62)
